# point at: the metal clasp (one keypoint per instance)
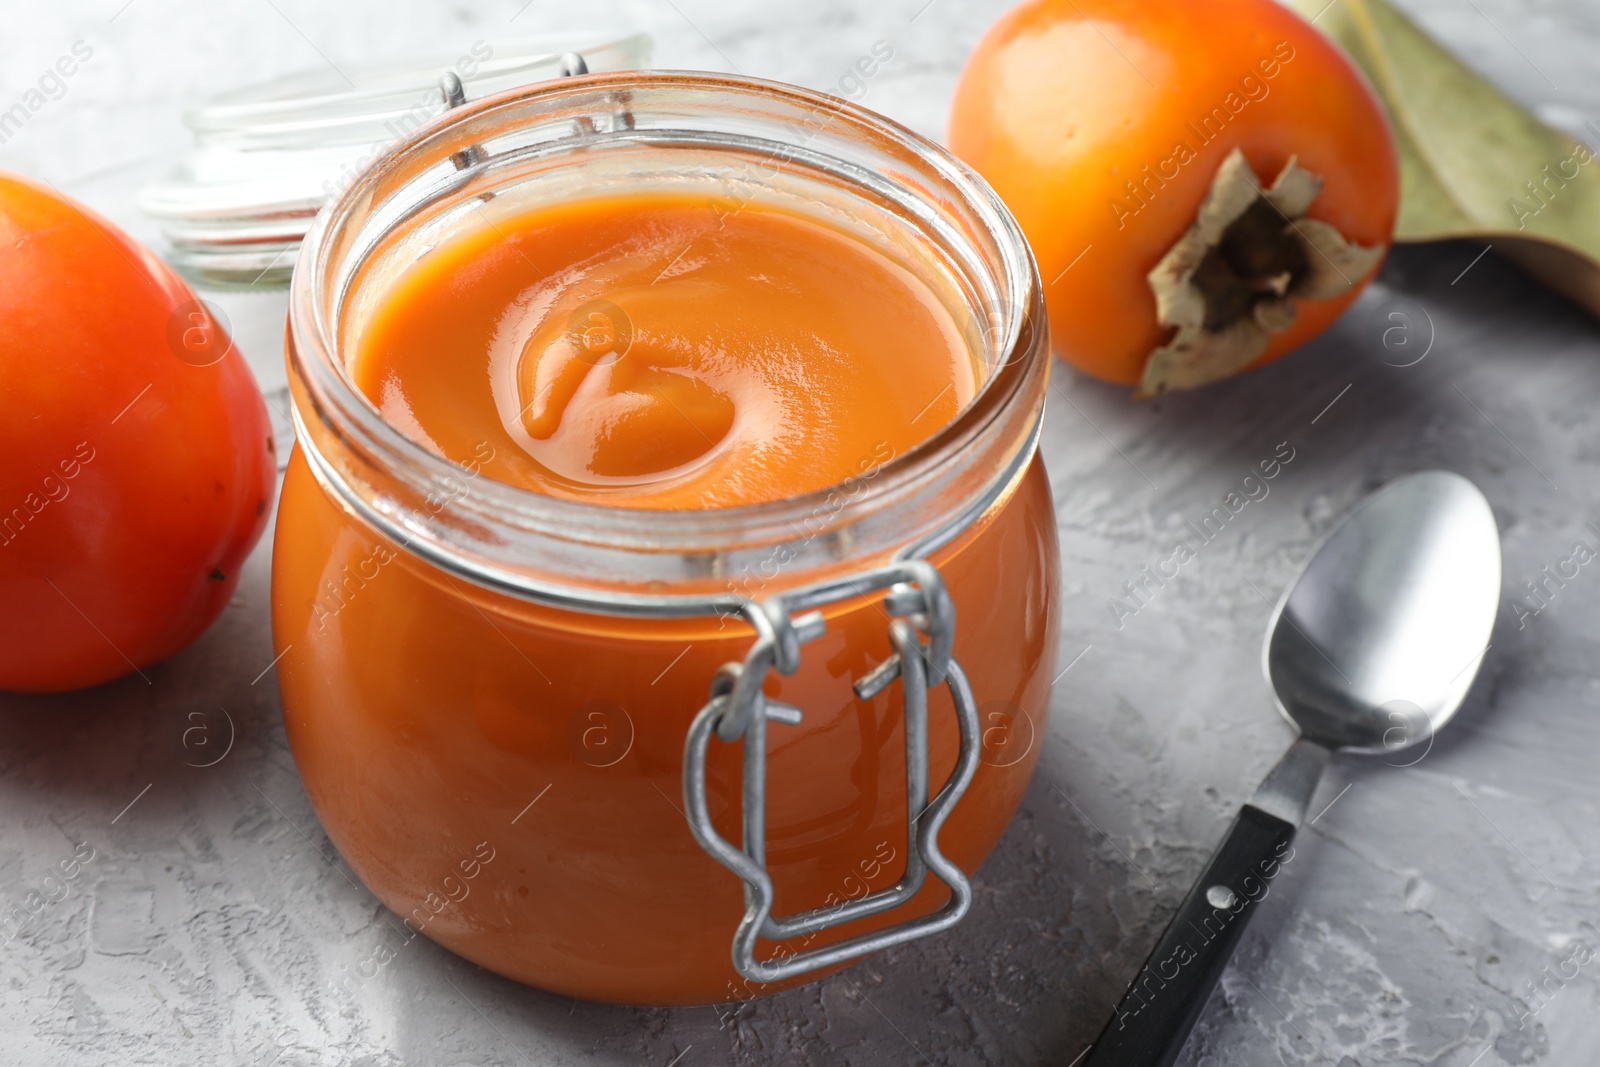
(920, 605)
(569, 65)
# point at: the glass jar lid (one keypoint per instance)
(268, 157)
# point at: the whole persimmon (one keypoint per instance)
(135, 453)
(1205, 185)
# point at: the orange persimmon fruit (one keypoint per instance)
(136, 463)
(1110, 128)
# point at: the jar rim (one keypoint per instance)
(351, 445)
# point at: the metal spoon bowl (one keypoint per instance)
(1374, 646)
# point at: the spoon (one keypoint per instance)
(1371, 650)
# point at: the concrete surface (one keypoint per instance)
(1425, 907)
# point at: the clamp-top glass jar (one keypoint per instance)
(589, 747)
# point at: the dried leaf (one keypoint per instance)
(1473, 163)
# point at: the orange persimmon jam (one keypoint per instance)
(659, 350)
(545, 402)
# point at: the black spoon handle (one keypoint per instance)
(1153, 1020)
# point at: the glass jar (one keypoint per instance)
(592, 747)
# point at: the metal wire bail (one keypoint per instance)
(737, 708)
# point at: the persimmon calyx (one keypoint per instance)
(1232, 279)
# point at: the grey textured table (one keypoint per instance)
(1424, 904)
